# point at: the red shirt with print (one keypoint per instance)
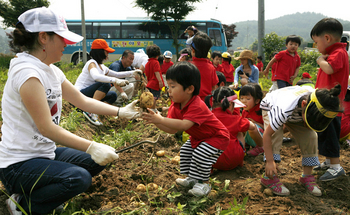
(207, 128)
(287, 64)
(151, 67)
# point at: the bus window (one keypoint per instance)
(134, 30)
(213, 25)
(215, 35)
(106, 30)
(76, 28)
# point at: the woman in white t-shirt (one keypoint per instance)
(31, 111)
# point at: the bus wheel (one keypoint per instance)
(75, 58)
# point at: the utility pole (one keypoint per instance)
(261, 27)
(83, 31)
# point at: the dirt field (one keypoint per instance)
(115, 187)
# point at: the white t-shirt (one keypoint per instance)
(21, 139)
(139, 59)
(85, 79)
(282, 105)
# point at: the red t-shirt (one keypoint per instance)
(260, 66)
(151, 67)
(287, 64)
(273, 69)
(233, 155)
(218, 68)
(208, 76)
(166, 66)
(253, 115)
(207, 127)
(339, 60)
(228, 71)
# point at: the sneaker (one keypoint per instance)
(275, 185)
(256, 151)
(309, 183)
(93, 118)
(199, 190)
(187, 182)
(322, 166)
(286, 139)
(332, 174)
(11, 206)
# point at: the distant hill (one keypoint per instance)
(299, 24)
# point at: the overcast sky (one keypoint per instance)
(227, 11)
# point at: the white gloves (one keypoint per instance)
(124, 96)
(129, 111)
(121, 82)
(101, 153)
(137, 72)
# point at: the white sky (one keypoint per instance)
(227, 11)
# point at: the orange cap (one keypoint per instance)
(101, 44)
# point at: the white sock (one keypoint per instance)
(335, 166)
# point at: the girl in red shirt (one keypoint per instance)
(251, 95)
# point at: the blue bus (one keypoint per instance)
(138, 34)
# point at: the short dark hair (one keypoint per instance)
(221, 77)
(126, 53)
(216, 54)
(201, 44)
(186, 74)
(98, 55)
(153, 51)
(259, 57)
(327, 26)
(293, 38)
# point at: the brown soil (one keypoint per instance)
(115, 188)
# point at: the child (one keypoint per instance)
(224, 102)
(216, 60)
(199, 49)
(153, 72)
(185, 55)
(345, 119)
(228, 69)
(260, 65)
(208, 136)
(273, 69)
(334, 69)
(288, 63)
(305, 80)
(167, 63)
(302, 110)
(251, 95)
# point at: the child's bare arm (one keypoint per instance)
(270, 166)
(157, 74)
(324, 65)
(267, 68)
(295, 75)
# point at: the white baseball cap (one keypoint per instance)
(44, 19)
(168, 54)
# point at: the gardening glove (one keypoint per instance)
(124, 96)
(101, 153)
(137, 72)
(129, 111)
(121, 82)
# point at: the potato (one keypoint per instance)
(268, 192)
(141, 188)
(146, 100)
(175, 160)
(160, 153)
(152, 186)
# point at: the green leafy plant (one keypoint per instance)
(236, 209)
(72, 121)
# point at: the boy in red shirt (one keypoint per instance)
(199, 49)
(153, 73)
(216, 60)
(260, 66)
(228, 69)
(167, 63)
(208, 136)
(288, 63)
(334, 69)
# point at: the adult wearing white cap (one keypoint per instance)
(31, 111)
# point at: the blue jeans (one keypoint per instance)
(110, 97)
(68, 175)
(282, 84)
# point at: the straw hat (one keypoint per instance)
(245, 54)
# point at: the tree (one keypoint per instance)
(272, 42)
(10, 10)
(230, 33)
(161, 10)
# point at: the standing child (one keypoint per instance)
(208, 136)
(228, 69)
(216, 60)
(152, 70)
(288, 63)
(167, 63)
(200, 48)
(251, 95)
(302, 110)
(260, 66)
(334, 69)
